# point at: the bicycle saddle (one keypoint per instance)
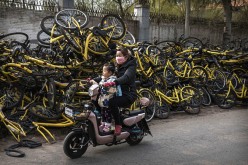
(99, 32)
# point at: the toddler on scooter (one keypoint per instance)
(108, 89)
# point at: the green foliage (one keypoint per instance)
(241, 15)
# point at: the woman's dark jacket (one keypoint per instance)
(126, 76)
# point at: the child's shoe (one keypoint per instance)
(101, 127)
(107, 127)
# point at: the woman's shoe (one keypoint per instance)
(117, 130)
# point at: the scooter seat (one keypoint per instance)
(134, 112)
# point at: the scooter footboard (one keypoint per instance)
(133, 119)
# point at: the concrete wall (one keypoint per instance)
(28, 21)
(166, 31)
(19, 20)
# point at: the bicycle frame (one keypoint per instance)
(239, 94)
(14, 128)
(183, 74)
(176, 98)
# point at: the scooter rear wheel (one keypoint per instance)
(75, 144)
(133, 140)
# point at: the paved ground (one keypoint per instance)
(215, 136)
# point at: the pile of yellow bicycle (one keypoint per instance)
(37, 82)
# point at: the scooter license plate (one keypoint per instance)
(68, 111)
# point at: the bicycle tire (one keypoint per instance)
(70, 91)
(225, 101)
(206, 98)
(51, 94)
(96, 46)
(64, 19)
(73, 40)
(38, 110)
(169, 48)
(114, 20)
(191, 96)
(163, 111)
(151, 108)
(170, 76)
(160, 81)
(47, 24)
(217, 81)
(192, 42)
(198, 76)
(22, 37)
(43, 38)
(128, 38)
(192, 110)
(14, 153)
(13, 97)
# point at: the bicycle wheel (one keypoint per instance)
(43, 37)
(224, 99)
(17, 36)
(191, 96)
(128, 38)
(162, 111)
(192, 110)
(70, 91)
(216, 82)
(96, 46)
(71, 19)
(47, 24)
(74, 41)
(169, 48)
(198, 76)
(16, 73)
(12, 97)
(151, 108)
(159, 80)
(192, 42)
(206, 98)
(170, 76)
(51, 94)
(40, 112)
(119, 27)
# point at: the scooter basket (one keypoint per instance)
(77, 112)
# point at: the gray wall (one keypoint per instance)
(28, 21)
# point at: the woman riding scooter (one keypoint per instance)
(126, 76)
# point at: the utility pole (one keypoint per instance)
(142, 13)
(66, 4)
(187, 18)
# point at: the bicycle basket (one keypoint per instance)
(77, 112)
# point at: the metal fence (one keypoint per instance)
(33, 5)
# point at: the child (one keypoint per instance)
(107, 90)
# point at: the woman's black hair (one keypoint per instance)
(124, 51)
(110, 66)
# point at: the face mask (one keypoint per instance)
(120, 60)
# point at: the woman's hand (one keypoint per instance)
(108, 84)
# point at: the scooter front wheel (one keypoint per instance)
(75, 144)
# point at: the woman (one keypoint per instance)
(126, 75)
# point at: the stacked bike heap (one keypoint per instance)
(37, 82)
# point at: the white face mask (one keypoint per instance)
(120, 60)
